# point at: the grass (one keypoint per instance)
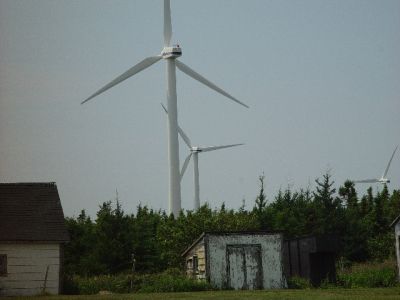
(317, 294)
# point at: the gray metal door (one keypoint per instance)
(244, 267)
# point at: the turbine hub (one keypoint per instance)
(195, 149)
(171, 52)
(384, 180)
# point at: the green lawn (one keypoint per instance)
(331, 294)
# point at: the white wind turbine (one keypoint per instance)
(383, 178)
(170, 54)
(194, 152)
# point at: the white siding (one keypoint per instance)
(271, 257)
(26, 269)
(397, 236)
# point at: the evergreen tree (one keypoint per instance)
(78, 252)
(261, 201)
(328, 210)
(145, 244)
(348, 195)
(354, 239)
(113, 238)
(260, 206)
(105, 245)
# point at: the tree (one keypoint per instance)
(78, 252)
(355, 237)
(105, 245)
(261, 200)
(348, 195)
(328, 210)
(145, 244)
(394, 205)
(113, 238)
(260, 205)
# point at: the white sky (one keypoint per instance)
(321, 79)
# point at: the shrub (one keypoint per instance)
(171, 280)
(381, 246)
(369, 275)
(93, 285)
(297, 282)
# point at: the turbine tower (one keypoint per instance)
(383, 178)
(170, 55)
(194, 152)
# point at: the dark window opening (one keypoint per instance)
(195, 263)
(189, 264)
(3, 264)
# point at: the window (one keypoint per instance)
(189, 264)
(3, 264)
(195, 263)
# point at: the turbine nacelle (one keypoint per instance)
(171, 52)
(195, 149)
(384, 180)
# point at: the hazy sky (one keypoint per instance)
(322, 79)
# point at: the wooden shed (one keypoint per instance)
(237, 260)
(32, 234)
(311, 257)
(396, 225)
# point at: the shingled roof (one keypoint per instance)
(31, 212)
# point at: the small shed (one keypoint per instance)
(237, 260)
(396, 225)
(32, 234)
(311, 257)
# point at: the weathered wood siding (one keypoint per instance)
(397, 236)
(26, 269)
(198, 251)
(225, 266)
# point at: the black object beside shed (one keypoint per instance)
(311, 257)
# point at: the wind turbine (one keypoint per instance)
(170, 55)
(194, 152)
(383, 178)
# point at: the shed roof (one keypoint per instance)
(395, 221)
(217, 233)
(31, 212)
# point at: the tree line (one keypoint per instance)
(154, 240)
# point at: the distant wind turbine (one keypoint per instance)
(170, 54)
(194, 152)
(383, 178)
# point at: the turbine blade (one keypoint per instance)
(180, 131)
(185, 164)
(147, 62)
(390, 161)
(167, 23)
(206, 149)
(184, 137)
(185, 69)
(165, 109)
(366, 181)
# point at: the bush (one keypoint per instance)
(93, 285)
(297, 282)
(171, 280)
(369, 275)
(381, 246)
